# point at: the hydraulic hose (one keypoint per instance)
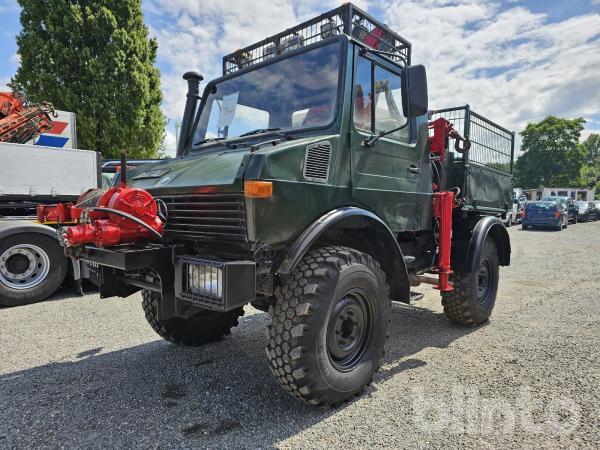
(129, 217)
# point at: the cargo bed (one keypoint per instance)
(484, 174)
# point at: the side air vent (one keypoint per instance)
(316, 162)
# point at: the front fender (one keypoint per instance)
(376, 238)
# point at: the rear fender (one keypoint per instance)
(492, 227)
(360, 229)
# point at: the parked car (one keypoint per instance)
(514, 214)
(545, 214)
(587, 211)
(594, 210)
(568, 203)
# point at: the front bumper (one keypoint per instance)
(182, 280)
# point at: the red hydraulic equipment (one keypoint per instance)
(444, 202)
(20, 120)
(442, 131)
(119, 215)
(442, 210)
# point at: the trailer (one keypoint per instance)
(32, 263)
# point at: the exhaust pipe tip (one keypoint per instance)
(192, 75)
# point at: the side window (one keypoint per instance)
(388, 104)
(378, 101)
(362, 95)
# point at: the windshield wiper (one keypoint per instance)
(207, 140)
(258, 131)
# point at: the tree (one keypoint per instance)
(592, 147)
(552, 155)
(590, 172)
(94, 57)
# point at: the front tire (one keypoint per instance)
(474, 295)
(205, 327)
(32, 268)
(329, 325)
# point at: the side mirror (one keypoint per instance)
(414, 87)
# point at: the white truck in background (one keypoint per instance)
(515, 215)
(32, 263)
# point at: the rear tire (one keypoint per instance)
(203, 328)
(32, 268)
(329, 325)
(474, 296)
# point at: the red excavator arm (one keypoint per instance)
(20, 120)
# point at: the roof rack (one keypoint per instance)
(346, 19)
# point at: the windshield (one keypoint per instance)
(561, 200)
(293, 93)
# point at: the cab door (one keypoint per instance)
(387, 176)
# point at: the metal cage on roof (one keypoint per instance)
(346, 19)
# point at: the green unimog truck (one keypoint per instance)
(312, 182)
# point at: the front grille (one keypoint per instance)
(206, 217)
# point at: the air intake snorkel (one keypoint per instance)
(193, 79)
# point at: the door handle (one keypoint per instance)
(414, 170)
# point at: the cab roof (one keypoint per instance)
(346, 19)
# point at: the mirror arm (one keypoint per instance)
(374, 138)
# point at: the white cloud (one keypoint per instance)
(170, 143)
(200, 33)
(512, 65)
(8, 6)
(4, 84)
(15, 59)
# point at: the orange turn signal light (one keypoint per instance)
(258, 189)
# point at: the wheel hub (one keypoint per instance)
(348, 330)
(23, 266)
(483, 282)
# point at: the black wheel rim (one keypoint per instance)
(484, 282)
(349, 330)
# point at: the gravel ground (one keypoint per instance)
(84, 372)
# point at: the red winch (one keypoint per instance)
(119, 215)
(438, 142)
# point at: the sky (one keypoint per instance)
(513, 61)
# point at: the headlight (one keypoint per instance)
(205, 280)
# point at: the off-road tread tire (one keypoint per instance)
(296, 300)
(460, 304)
(195, 331)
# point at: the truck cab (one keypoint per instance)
(312, 182)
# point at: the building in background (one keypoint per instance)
(574, 193)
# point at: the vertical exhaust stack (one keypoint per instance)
(193, 78)
(123, 174)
